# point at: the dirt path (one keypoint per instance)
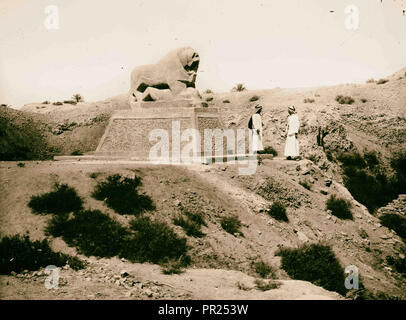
(117, 279)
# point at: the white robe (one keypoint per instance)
(292, 144)
(256, 137)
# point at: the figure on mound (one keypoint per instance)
(255, 127)
(291, 133)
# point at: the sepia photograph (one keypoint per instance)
(202, 155)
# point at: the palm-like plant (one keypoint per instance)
(77, 97)
(239, 87)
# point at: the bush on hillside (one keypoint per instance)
(361, 171)
(344, 99)
(76, 153)
(315, 263)
(154, 242)
(371, 159)
(254, 98)
(231, 225)
(396, 223)
(92, 232)
(278, 212)
(70, 102)
(305, 184)
(398, 163)
(398, 264)
(268, 150)
(340, 208)
(121, 195)
(19, 253)
(63, 199)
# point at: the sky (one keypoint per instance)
(261, 43)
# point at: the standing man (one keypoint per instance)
(255, 126)
(292, 131)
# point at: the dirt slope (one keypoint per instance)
(217, 191)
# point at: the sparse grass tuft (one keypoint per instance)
(121, 195)
(242, 286)
(231, 225)
(371, 80)
(77, 153)
(94, 175)
(305, 184)
(21, 164)
(315, 263)
(308, 100)
(63, 199)
(226, 101)
(208, 99)
(19, 253)
(266, 285)
(263, 270)
(190, 227)
(382, 81)
(313, 157)
(173, 266)
(344, 99)
(340, 208)
(254, 98)
(278, 212)
(70, 102)
(364, 100)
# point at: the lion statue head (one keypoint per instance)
(171, 77)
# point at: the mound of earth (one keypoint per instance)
(374, 121)
(216, 191)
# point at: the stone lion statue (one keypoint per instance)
(172, 77)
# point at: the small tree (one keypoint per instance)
(239, 87)
(77, 97)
